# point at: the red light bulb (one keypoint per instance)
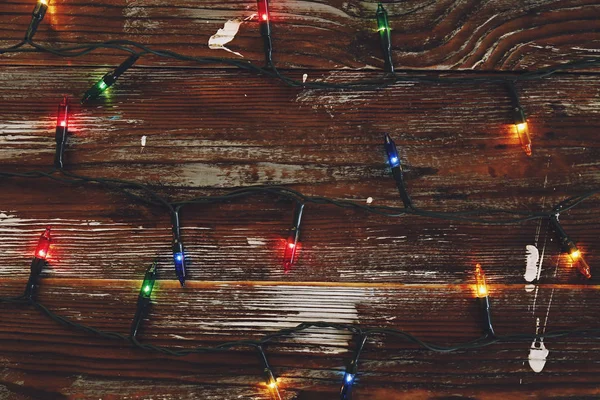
(290, 253)
(292, 242)
(62, 118)
(41, 251)
(62, 123)
(263, 10)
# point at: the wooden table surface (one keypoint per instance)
(213, 128)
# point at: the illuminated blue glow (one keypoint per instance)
(392, 152)
(179, 258)
(348, 378)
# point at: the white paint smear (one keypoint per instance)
(531, 269)
(143, 141)
(226, 34)
(537, 356)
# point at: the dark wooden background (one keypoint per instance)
(210, 129)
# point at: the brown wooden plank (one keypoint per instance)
(507, 35)
(208, 314)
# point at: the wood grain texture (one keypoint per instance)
(212, 129)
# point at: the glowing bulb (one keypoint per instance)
(143, 299)
(383, 27)
(179, 260)
(62, 116)
(480, 279)
(109, 79)
(349, 378)
(524, 138)
(41, 251)
(265, 29)
(273, 387)
(382, 19)
(575, 255)
(291, 247)
(347, 384)
(263, 9)
(568, 246)
(392, 152)
(62, 122)
(39, 11)
(149, 279)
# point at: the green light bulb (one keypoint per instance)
(382, 19)
(109, 79)
(148, 283)
(383, 27)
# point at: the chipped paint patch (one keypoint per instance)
(531, 268)
(226, 34)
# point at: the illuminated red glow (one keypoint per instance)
(289, 255)
(62, 118)
(41, 251)
(263, 10)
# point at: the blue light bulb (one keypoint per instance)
(347, 386)
(392, 152)
(179, 259)
(348, 377)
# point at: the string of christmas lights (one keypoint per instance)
(264, 18)
(145, 195)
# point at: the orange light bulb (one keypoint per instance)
(575, 255)
(481, 287)
(273, 388)
(524, 138)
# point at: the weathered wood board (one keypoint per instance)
(210, 128)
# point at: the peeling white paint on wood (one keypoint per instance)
(227, 34)
(532, 259)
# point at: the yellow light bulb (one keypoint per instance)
(575, 255)
(480, 282)
(524, 138)
(272, 385)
